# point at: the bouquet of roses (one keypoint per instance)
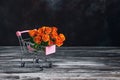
(45, 36)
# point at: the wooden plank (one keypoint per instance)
(69, 63)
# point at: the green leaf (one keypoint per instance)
(31, 40)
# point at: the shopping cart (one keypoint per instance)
(38, 57)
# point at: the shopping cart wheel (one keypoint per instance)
(41, 68)
(22, 64)
(37, 61)
(50, 64)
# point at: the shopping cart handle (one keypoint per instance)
(18, 33)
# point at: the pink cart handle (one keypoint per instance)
(18, 33)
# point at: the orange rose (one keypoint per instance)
(47, 34)
(37, 39)
(48, 30)
(50, 42)
(33, 32)
(54, 35)
(45, 37)
(41, 31)
(54, 29)
(62, 37)
(58, 41)
(43, 28)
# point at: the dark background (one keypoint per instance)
(84, 22)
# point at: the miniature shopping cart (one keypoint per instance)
(38, 57)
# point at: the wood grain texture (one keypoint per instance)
(69, 63)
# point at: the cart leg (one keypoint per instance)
(50, 64)
(41, 68)
(37, 60)
(22, 64)
(33, 62)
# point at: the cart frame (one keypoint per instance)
(26, 48)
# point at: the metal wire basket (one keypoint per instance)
(38, 56)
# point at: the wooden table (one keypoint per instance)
(69, 63)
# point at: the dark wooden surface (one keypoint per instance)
(69, 63)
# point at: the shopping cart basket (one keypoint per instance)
(28, 51)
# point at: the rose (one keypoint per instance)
(45, 36)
